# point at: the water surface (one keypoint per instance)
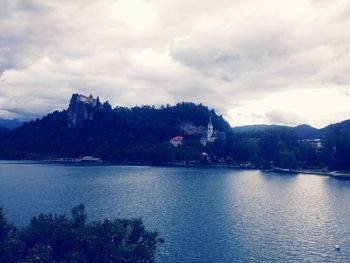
(204, 214)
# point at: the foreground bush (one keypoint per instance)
(56, 238)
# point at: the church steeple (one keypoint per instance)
(210, 130)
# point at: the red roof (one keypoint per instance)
(177, 138)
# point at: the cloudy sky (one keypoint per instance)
(271, 61)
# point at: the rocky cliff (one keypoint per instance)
(81, 108)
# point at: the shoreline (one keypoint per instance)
(336, 174)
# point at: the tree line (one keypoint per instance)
(141, 135)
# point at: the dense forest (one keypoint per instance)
(138, 134)
(57, 238)
(141, 135)
(299, 147)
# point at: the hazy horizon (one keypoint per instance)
(254, 62)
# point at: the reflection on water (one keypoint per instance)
(205, 215)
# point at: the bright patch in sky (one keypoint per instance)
(137, 14)
(317, 107)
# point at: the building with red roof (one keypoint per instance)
(176, 141)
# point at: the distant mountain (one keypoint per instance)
(303, 131)
(10, 124)
(344, 125)
(256, 128)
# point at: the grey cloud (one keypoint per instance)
(284, 118)
(220, 54)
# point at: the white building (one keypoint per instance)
(210, 131)
(88, 100)
(314, 143)
(209, 135)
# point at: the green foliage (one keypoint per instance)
(245, 149)
(338, 145)
(79, 216)
(3, 235)
(277, 146)
(163, 153)
(188, 153)
(138, 134)
(56, 238)
(229, 160)
(286, 158)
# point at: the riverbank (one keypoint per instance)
(342, 174)
(339, 174)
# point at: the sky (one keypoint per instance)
(255, 62)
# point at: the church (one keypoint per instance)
(205, 135)
(210, 133)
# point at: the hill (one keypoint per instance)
(10, 124)
(254, 128)
(344, 125)
(137, 134)
(303, 131)
(185, 133)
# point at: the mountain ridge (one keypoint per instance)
(303, 131)
(10, 123)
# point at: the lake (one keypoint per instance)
(204, 214)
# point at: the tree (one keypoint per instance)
(163, 153)
(3, 235)
(229, 160)
(285, 158)
(103, 151)
(98, 103)
(106, 106)
(245, 149)
(79, 216)
(341, 151)
(57, 238)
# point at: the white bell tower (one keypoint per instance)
(210, 130)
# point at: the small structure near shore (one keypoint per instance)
(84, 159)
(90, 159)
(176, 141)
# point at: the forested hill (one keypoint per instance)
(10, 124)
(303, 131)
(89, 127)
(183, 133)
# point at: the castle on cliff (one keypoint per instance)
(88, 100)
(81, 108)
